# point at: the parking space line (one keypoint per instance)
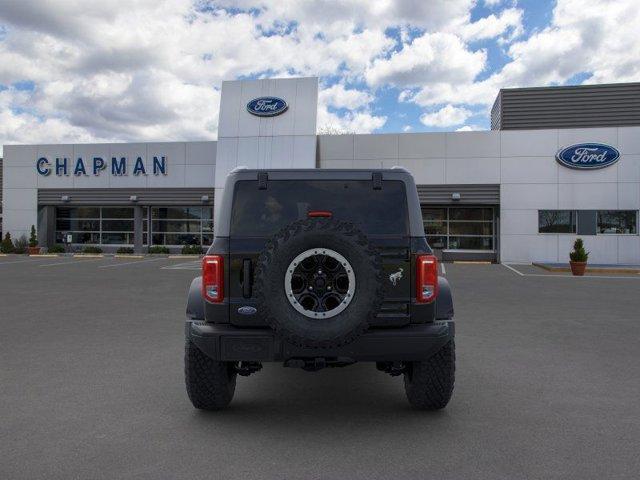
(130, 263)
(73, 262)
(444, 270)
(183, 266)
(513, 269)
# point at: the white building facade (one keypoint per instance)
(500, 195)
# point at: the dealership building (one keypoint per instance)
(558, 163)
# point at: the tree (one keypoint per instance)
(7, 244)
(33, 237)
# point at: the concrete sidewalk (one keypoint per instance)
(591, 268)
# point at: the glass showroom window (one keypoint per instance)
(182, 225)
(95, 225)
(556, 221)
(435, 226)
(618, 221)
(459, 228)
(117, 226)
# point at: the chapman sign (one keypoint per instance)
(588, 156)
(267, 106)
(118, 166)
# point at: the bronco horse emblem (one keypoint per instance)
(394, 277)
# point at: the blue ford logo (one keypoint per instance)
(267, 106)
(588, 156)
(247, 310)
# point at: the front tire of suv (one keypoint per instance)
(429, 384)
(210, 384)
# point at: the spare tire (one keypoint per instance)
(319, 282)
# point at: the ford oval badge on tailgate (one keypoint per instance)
(247, 310)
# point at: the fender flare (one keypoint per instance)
(444, 302)
(195, 302)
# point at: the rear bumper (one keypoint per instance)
(410, 343)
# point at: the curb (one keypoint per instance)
(184, 256)
(472, 262)
(127, 255)
(88, 255)
(45, 255)
(589, 269)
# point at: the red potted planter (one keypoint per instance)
(578, 258)
(578, 268)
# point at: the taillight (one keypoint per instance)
(213, 278)
(319, 214)
(426, 278)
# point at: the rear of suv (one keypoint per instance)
(315, 269)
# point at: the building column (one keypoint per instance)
(138, 216)
(46, 227)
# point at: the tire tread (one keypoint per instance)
(210, 384)
(429, 384)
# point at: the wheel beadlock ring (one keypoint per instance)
(331, 294)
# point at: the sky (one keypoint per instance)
(77, 71)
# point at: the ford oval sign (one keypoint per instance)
(267, 106)
(588, 156)
(247, 310)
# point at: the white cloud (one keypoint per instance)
(340, 97)
(407, 128)
(469, 128)
(358, 122)
(357, 119)
(325, 14)
(508, 22)
(447, 116)
(432, 57)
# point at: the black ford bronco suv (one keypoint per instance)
(319, 268)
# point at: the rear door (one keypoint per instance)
(380, 211)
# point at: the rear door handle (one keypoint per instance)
(246, 278)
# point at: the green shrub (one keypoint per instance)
(579, 254)
(33, 238)
(158, 249)
(191, 250)
(7, 244)
(91, 249)
(57, 248)
(125, 250)
(20, 245)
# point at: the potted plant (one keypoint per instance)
(33, 249)
(578, 258)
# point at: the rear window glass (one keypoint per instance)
(258, 213)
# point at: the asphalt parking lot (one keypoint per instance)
(548, 385)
